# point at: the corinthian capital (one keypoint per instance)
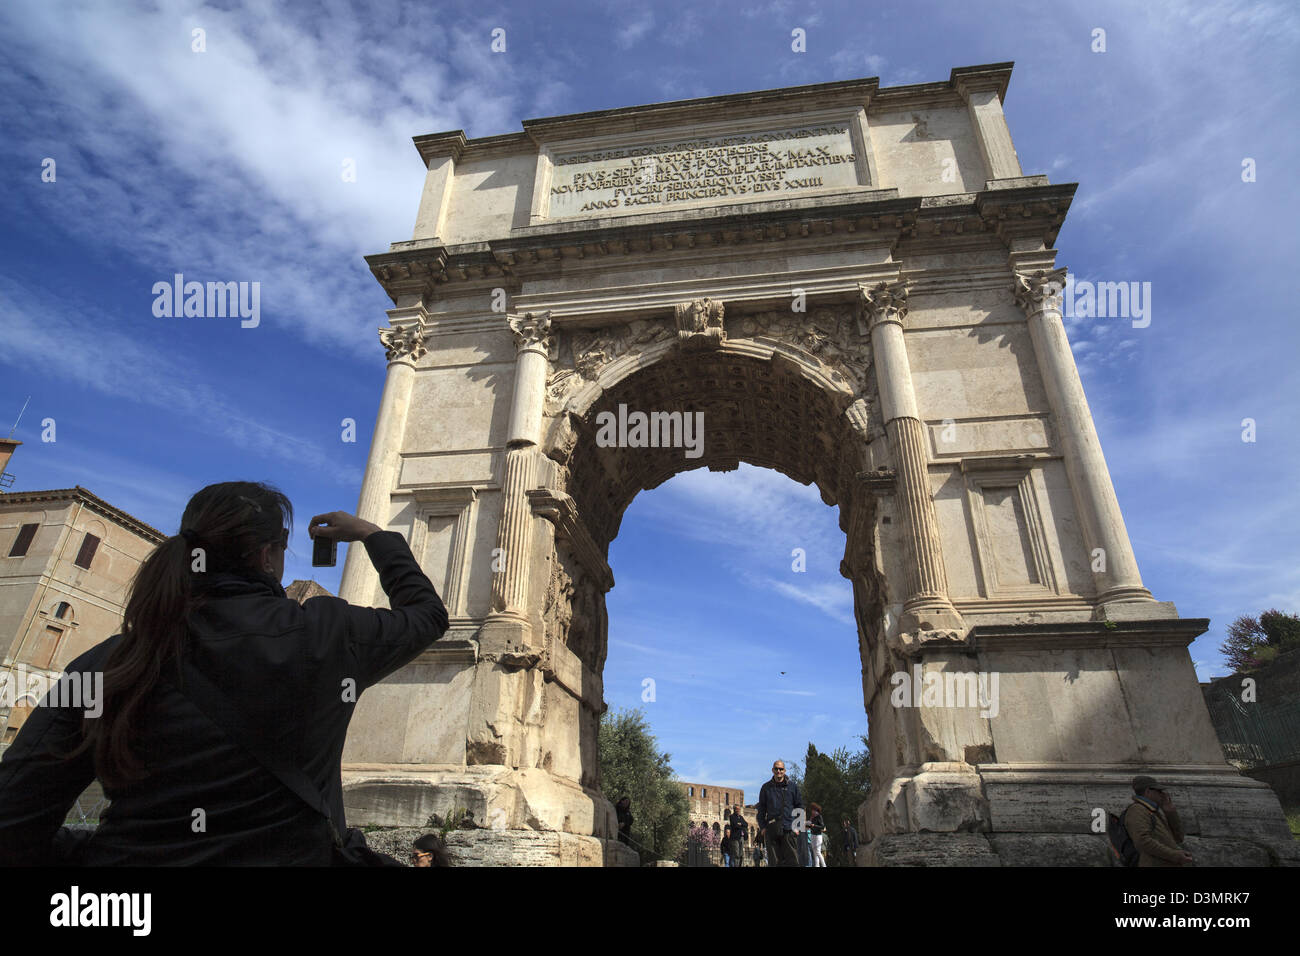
(532, 330)
(882, 302)
(1039, 291)
(403, 341)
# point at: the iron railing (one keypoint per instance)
(1255, 734)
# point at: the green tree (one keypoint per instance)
(839, 782)
(631, 765)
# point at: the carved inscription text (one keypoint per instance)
(703, 169)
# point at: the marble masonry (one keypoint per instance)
(853, 285)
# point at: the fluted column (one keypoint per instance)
(1114, 566)
(403, 344)
(514, 534)
(927, 607)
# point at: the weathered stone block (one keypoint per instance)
(1051, 849)
(928, 849)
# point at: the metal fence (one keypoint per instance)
(698, 853)
(1254, 734)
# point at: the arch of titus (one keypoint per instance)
(857, 287)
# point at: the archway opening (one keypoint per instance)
(715, 408)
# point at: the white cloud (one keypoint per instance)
(631, 34)
(122, 366)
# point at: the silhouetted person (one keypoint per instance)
(850, 838)
(624, 810)
(219, 690)
(739, 830)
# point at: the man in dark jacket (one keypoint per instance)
(778, 798)
(850, 837)
(293, 672)
(739, 831)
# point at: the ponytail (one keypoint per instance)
(223, 526)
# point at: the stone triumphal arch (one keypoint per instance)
(856, 286)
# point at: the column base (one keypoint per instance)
(496, 797)
(516, 817)
(1129, 608)
(930, 613)
(507, 637)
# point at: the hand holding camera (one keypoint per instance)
(327, 530)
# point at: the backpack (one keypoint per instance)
(1121, 844)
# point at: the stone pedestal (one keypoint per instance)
(1079, 710)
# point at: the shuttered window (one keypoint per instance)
(87, 552)
(24, 540)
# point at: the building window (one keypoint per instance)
(63, 610)
(691, 791)
(87, 552)
(23, 541)
(42, 655)
(704, 792)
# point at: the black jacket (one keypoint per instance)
(287, 666)
(739, 827)
(778, 802)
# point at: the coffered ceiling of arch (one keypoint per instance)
(762, 412)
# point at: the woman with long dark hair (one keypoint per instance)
(219, 728)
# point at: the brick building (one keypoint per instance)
(67, 558)
(707, 801)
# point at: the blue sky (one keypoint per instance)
(227, 164)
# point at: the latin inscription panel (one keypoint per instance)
(776, 164)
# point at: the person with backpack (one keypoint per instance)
(224, 703)
(1154, 827)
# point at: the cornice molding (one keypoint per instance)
(990, 76)
(90, 500)
(1169, 632)
(864, 92)
(1028, 216)
(437, 145)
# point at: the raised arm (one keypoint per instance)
(381, 640)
